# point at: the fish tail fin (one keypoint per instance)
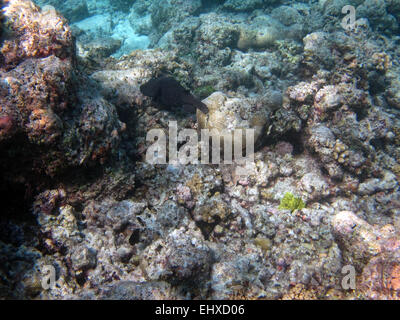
(189, 99)
(202, 107)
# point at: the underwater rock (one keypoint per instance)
(264, 31)
(18, 262)
(96, 26)
(60, 229)
(338, 112)
(116, 227)
(234, 276)
(211, 212)
(166, 13)
(182, 256)
(1, 25)
(73, 10)
(111, 252)
(108, 25)
(393, 6)
(211, 42)
(130, 290)
(322, 141)
(393, 91)
(83, 258)
(316, 50)
(386, 183)
(140, 19)
(42, 92)
(99, 48)
(50, 31)
(27, 103)
(303, 92)
(287, 15)
(170, 215)
(380, 279)
(357, 239)
(373, 251)
(243, 5)
(376, 13)
(257, 39)
(122, 5)
(314, 186)
(221, 35)
(227, 113)
(36, 90)
(327, 100)
(290, 258)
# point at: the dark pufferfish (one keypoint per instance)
(170, 94)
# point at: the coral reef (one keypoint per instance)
(321, 195)
(230, 114)
(42, 104)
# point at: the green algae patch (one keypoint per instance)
(292, 203)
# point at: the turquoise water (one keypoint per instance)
(144, 24)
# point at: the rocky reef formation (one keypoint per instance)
(323, 101)
(58, 121)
